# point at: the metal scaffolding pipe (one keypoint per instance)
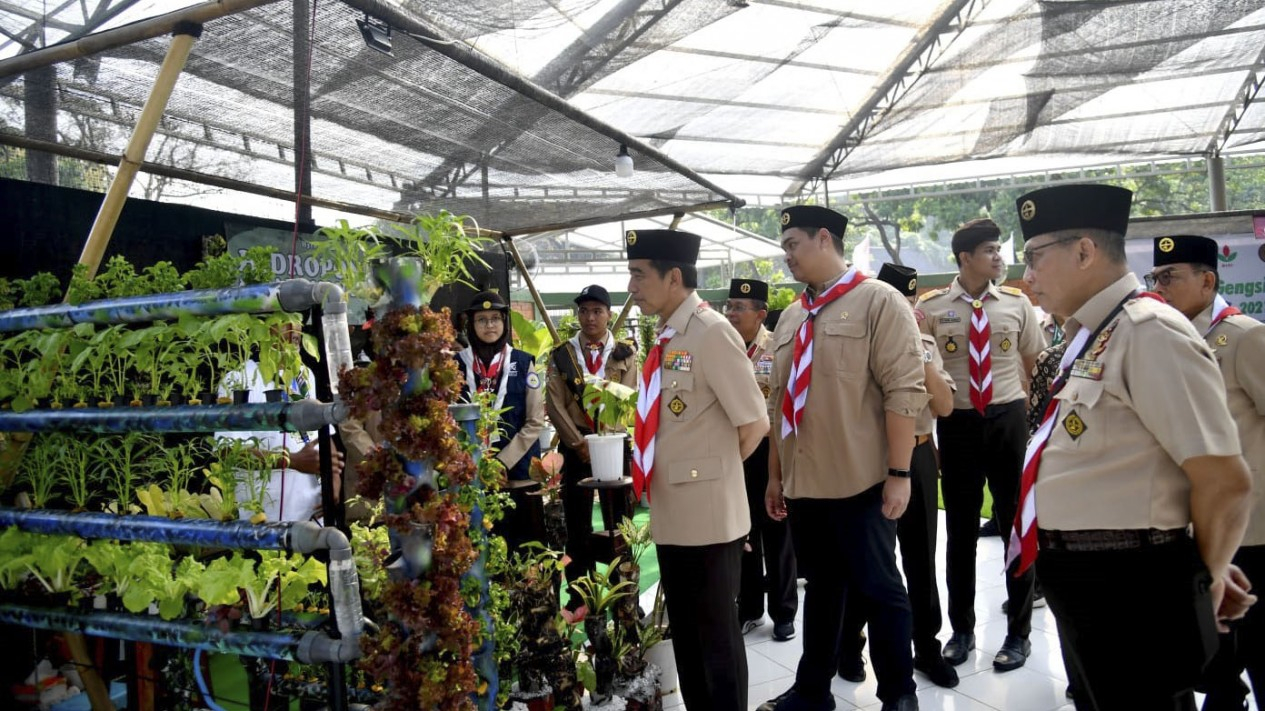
(154, 630)
(127, 34)
(300, 416)
(1216, 182)
(193, 176)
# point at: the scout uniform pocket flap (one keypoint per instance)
(687, 471)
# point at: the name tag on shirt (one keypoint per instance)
(1085, 368)
(764, 366)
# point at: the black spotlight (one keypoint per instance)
(377, 34)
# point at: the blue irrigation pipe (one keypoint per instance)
(300, 416)
(289, 295)
(154, 630)
(239, 535)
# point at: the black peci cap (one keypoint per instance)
(666, 245)
(1185, 249)
(905, 279)
(813, 217)
(1072, 207)
(748, 289)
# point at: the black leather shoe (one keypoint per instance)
(1013, 654)
(989, 528)
(790, 700)
(959, 645)
(908, 702)
(852, 669)
(937, 670)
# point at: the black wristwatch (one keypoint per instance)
(898, 473)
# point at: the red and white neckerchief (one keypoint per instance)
(1220, 310)
(476, 374)
(595, 359)
(752, 348)
(802, 361)
(1023, 535)
(647, 421)
(980, 366)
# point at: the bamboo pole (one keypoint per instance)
(535, 295)
(103, 227)
(623, 312)
(127, 34)
(94, 687)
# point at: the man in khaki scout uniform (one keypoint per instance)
(916, 529)
(1136, 445)
(699, 414)
(592, 353)
(1185, 275)
(769, 566)
(989, 337)
(847, 385)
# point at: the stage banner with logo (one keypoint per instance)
(1241, 265)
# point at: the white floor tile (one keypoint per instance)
(1038, 686)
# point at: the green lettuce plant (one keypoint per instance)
(15, 554)
(277, 579)
(55, 562)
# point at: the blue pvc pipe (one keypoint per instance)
(241, 535)
(257, 298)
(153, 629)
(184, 418)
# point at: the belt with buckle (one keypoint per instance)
(1106, 539)
(921, 439)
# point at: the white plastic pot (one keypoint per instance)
(662, 656)
(606, 455)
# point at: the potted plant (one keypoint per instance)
(600, 594)
(74, 459)
(39, 472)
(611, 406)
(54, 563)
(547, 471)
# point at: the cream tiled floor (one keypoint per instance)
(1038, 686)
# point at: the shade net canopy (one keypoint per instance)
(415, 131)
(760, 97)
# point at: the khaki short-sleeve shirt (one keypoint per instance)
(697, 492)
(867, 360)
(1146, 397)
(925, 422)
(1014, 334)
(1238, 342)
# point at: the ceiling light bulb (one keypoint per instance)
(623, 163)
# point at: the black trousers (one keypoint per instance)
(769, 567)
(700, 585)
(577, 507)
(975, 449)
(1122, 653)
(842, 545)
(916, 531)
(1243, 648)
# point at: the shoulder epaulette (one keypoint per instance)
(1013, 291)
(933, 293)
